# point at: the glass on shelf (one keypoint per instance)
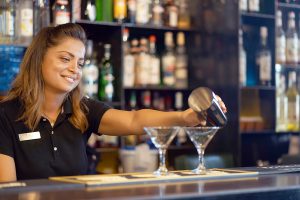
(201, 136)
(161, 137)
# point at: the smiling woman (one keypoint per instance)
(45, 121)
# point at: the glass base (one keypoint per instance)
(161, 172)
(200, 171)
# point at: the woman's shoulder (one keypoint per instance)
(14, 104)
(93, 103)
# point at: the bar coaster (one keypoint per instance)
(144, 178)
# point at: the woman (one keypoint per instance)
(45, 122)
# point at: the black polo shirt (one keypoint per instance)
(47, 151)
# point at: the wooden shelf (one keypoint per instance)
(257, 15)
(288, 5)
(258, 87)
(160, 88)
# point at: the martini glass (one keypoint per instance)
(161, 137)
(201, 136)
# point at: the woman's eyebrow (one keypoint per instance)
(70, 54)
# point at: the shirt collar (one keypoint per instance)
(67, 107)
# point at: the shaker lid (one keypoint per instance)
(201, 99)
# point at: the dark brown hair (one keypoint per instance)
(28, 86)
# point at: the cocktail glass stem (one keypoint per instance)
(201, 167)
(162, 170)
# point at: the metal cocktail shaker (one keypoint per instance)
(203, 101)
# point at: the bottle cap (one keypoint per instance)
(263, 31)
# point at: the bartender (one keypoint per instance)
(45, 121)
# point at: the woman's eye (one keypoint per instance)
(80, 65)
(65, 59)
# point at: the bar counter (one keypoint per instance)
(269, 186)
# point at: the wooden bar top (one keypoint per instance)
(268, 186)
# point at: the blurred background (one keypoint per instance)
(153, 53)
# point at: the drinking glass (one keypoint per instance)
(161, 137)
(201, 136)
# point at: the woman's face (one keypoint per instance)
(62, 66)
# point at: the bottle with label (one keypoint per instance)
(131, 9)
(61, 12)
(129, 61)
(291, 41)
(280, 39)
(142, 11)
(41, 15)
(143, 68)
(146, 99)
(76, 10)
(263, 58)
(134, 51)
(154, 62)
(106, 78)
(281, 103)
(242, 61)
(157, 13)
(120, 10)
(169, 61)
(293, 100)
(90, 11)
(254, 5)
(181, 68)
(243, 5)
(171, 13)
(25, 15)
(8, 30)
(90, 72)
(184, 19)
(104, 10)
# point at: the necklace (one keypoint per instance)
(52, 119)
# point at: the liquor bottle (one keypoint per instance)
(169, 61)
(61, 12)
(154, 62)
(242, 61)
(143, 67)
(104, 10)
(142, 11)
(131, 9)
(133, 101)
(134, 51)
(41, 15)
(181, 67)
(120, 10)
(280, 39)
(181, 136)
(171, 13)
(254, 5)
(129, 62)
(291, 41)
(293, 100)
(106, 78)
(281, 103)
(8, 21)
(90, 72)
(157, 13)
(25, 15)
(243, 5)
(90, 11)
(184, 19)
(263, 58)
(146, 99)
(76, 10)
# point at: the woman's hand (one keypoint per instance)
(192, 118)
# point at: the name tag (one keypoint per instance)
(29, 136)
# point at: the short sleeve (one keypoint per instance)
(6, 144)
(96, 110)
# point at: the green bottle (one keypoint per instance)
(104, 9)
(106, 78)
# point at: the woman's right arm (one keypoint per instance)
(7, 168)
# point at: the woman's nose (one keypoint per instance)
(74, 67)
